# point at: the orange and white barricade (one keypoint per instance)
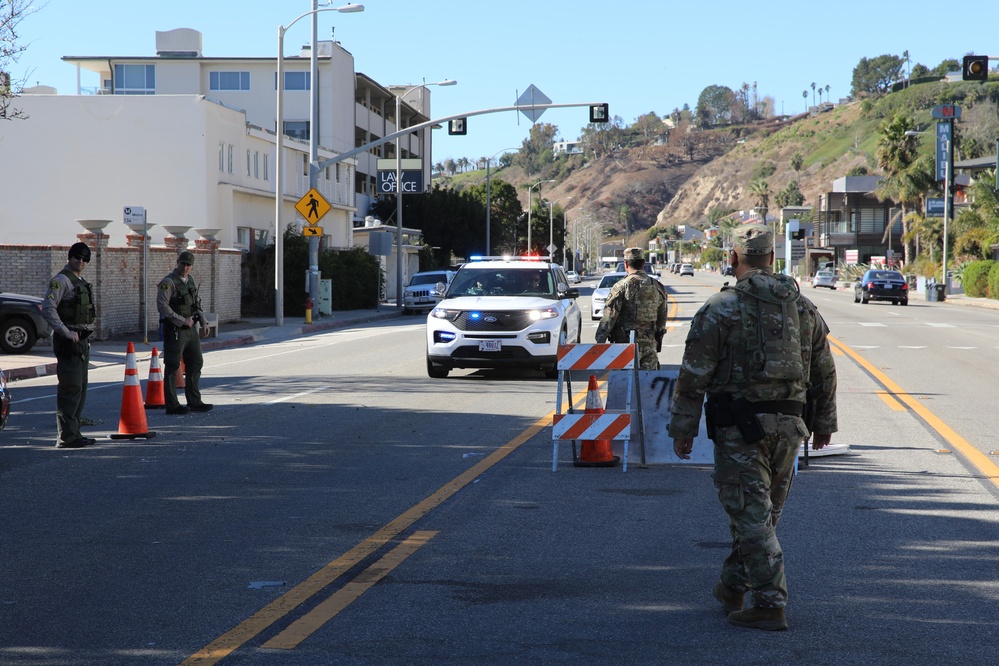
(594, 424)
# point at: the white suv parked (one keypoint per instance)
(419, 294)
(503, 312)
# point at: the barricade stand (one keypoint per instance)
(612, 424)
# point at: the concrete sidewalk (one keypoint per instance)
(41, 361)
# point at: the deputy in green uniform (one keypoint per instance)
(70, 310)
(636, 303)
(759, 351)
(180, 313)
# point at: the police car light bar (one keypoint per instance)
(507, 257)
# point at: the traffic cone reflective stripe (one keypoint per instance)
(132, 423)
(595, 453)
(178, 377)
(155, 398)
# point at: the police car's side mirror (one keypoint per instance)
(572, 292)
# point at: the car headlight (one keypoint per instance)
(547, 313)
(443, 313)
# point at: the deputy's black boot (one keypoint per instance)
(768, 619)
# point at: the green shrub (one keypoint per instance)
(975, 278)
(993, 291)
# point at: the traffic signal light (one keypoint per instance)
(599, 113)
(975, 68)
(458, 126)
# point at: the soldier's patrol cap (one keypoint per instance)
(80, 250)
(633, 254)
(753, 239)
(186, 258)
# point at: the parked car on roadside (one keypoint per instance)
(686, 269)
(600, 294)
(21, 322)
(881, 285)
(420, 292)
(574, 277)
(728, 270)
(824, 278)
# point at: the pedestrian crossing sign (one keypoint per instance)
(312, 206)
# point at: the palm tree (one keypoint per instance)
(813, 93)
(897, 154)
(804, 94)
(761, 196)
(827, 92)
(908, 69)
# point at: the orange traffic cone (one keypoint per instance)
(178, 377)
(595, 453)
(132, 424)
(154, 386)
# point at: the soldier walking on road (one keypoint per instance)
(70, 310)
(636, 303)
(180, 312)
(760, 352)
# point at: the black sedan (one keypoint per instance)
(881, 285)
(21, 322)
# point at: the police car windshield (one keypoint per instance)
(502, 282)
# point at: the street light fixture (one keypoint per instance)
(279, 145)
(398, 179)
(489, 196)
(538, 185)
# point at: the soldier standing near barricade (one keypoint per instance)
(636, 303)
(759, 351)
(180, 312)
(69, 308)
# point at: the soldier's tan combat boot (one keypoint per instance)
(731, 600)
(768, 619)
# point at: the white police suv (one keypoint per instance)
(503, 312)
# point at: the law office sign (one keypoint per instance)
(412, 176)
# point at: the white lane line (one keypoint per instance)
(298, 395)
(871, 323)
(935, 325)
(912, 347)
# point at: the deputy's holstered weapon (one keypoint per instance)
(722, 410)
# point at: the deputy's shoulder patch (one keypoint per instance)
(54, 285)
(164, 285)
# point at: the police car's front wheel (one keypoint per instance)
(435, 371)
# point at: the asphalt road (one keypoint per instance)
(339, 507)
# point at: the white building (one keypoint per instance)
(191, 138)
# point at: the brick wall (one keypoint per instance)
(116, 274)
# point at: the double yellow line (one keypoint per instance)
(895, 394)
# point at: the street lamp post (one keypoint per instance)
(398, 181)
(537, 185)
(551, 229)
(489, 195)
(279, 148)
(948, 154)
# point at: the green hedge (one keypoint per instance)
(993, 291)
(975, 278)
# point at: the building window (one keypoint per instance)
(297, 129)
(243, 237)
(295, 80)
(229, 156)
(305, 164)
(135, 79)
(229, 80)
(256, 164)
(249, 163)
(221, 156)
(267, 165)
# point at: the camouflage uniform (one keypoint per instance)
(730, 351)
(623, 313)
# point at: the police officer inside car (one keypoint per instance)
(180, 312)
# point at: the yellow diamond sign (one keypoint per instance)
(312, 206)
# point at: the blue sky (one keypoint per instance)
(638, 56)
